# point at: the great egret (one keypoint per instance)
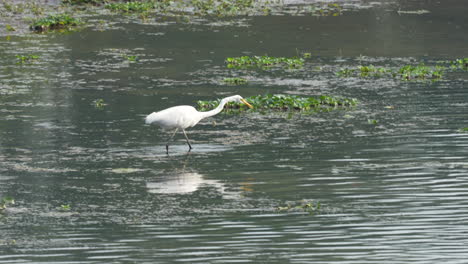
(183, 116)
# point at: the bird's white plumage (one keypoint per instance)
(184, 116)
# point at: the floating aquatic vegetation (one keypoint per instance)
(224, 7)
(99, 103)
(10, 28)
(264, 62)
(65, 207)
(372, 121)
(131, 58)
(310, 207)
(407, 72)
(80, 2)
(463, 129)
(26, 58)
(235, 80)
(420, 72)
(5, 202)
(284, 103)
(53, 22)
(331, 9)
(132, 7)
(460, 64)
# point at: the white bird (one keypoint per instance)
(184, 116)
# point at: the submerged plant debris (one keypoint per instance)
(284, 103)
(235, 81)
(310, 207)
(264, 62)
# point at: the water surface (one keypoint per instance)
(391, 192)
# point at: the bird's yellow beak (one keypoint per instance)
(247, 104)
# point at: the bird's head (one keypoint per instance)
(239, 99)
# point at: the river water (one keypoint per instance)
(93, 184)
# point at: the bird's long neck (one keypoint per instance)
(215, 111)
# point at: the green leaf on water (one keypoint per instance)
(5, 202)
(281, 102)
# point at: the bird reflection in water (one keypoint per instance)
(185, 181)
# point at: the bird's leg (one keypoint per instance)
(167, 144)
(188, 142)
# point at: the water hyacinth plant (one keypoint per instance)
(26, 58)
(284, 103)
(52, 22)
(420, 72)
(407, 72)
(264, 62)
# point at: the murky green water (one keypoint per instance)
(391, 192)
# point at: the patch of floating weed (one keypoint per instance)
(307, 55)
(463, 129)
(310, 207)
(10, 28)
(26, 58)
(131, 58)
(235, 81)
(372, 121)
(10, 9)
(132, 7)
(264, 62)
(81, 2)
(5, 202)
(331, 9)
(13, 8)
(407, 73)
(223, 8)
(420, 72)
(284, 103)
(99, 103)
(54, 22)
(460, 64)
(65, 207)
